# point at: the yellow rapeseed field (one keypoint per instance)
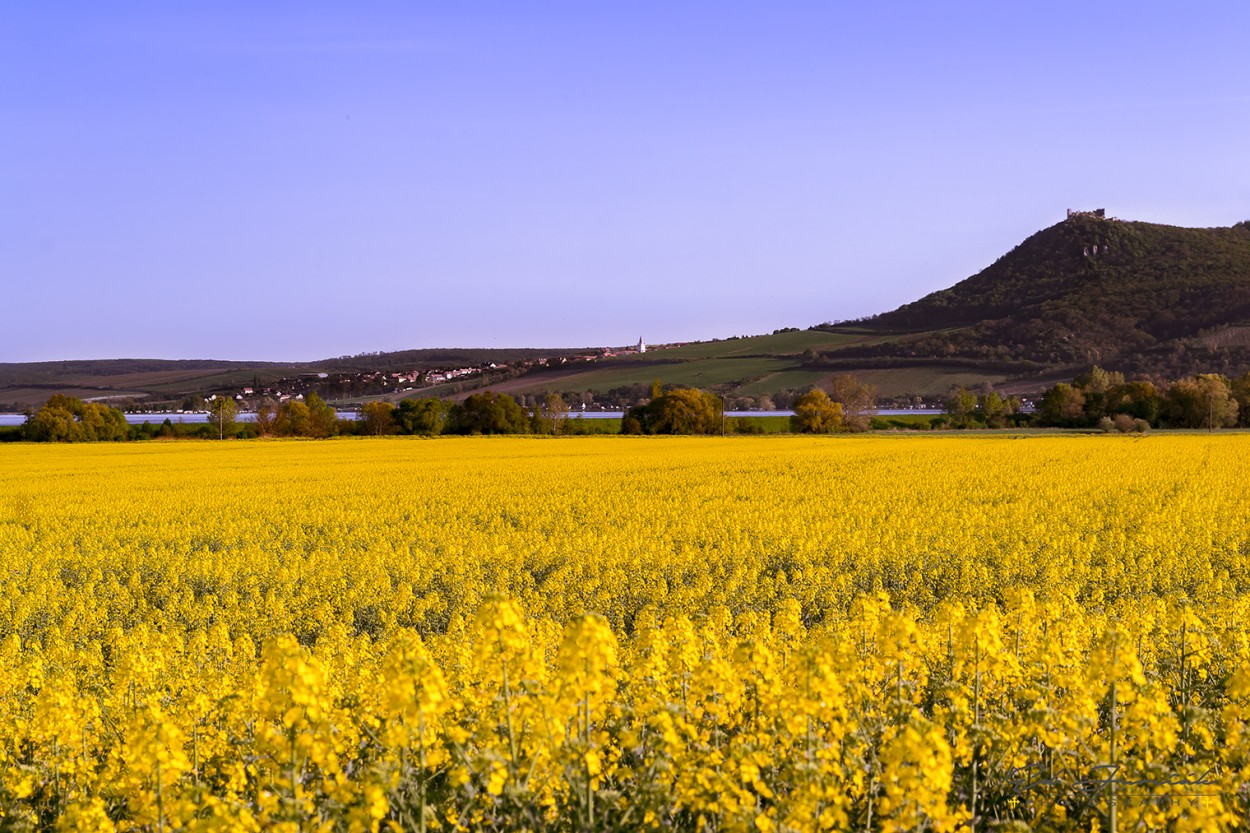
(778, 633)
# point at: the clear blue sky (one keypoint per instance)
(303, 180)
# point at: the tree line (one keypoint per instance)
(847, 406)
(1097, 399)
(1103, 399)
(67, 419)
(486, 412)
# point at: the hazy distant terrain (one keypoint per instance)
(1141, 298)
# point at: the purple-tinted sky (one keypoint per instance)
(303, 180)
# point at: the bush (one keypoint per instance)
(745, 425)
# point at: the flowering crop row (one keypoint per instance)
(607, 633)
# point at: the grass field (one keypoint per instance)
(778, 344)
(759, 425)
(905, 422)
(701, 373)
(757, 366)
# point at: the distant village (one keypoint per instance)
(437, 381)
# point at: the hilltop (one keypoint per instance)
(1139, 297)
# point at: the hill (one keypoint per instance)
(750, 369)
(154, 381)
(1145, 299)
(1137, 297)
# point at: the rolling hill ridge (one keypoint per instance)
(1145, 299)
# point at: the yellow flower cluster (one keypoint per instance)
(614, 634)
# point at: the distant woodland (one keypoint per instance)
(1098, 400)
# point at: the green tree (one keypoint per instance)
(961, 407)
(1240, 390)
(1097, 386)
(816, 413)
(1098, 380)
(678, 411)
(427, 417)
(488, 413)
(100, 423)
(144, 431)
(1202, 401)
(69, 419)
(994, 409)
(322, 419)
(550, 415)
(292, 419)
(378, 418)
(1062, 405)
(1140, 400)
(222, 411)
(52, 424)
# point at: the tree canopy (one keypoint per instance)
(858, 400)
(816, 413)
(1096, 397)
(427, 417)
(678, 411)
(378, 418)
(69, 419)
(487, 413)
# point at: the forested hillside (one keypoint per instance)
(1139, 297)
